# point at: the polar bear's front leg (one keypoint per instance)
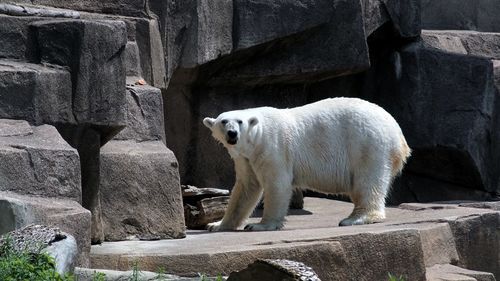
(277, 194)
(244, 197)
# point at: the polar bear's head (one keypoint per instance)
(232, 128)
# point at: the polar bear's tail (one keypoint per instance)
(399, 156)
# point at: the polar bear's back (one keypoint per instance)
(329, 139)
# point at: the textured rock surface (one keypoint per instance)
(86, 274)
(144, 115)
(138, 170)
(93, 51)
(37, 161)
(446, 112)
(477, 236)
(140, 191)
(480, 15)
(405, 244)
(35, 93)
(122, 7)
(448, 272)
(482, 44)
(35, 238)
(67, 215)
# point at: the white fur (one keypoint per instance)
(338, 145)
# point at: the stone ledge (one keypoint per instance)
(414, 239)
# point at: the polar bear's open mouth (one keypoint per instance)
(232, 141)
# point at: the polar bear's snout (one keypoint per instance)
(232, 137)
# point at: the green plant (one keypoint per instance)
(20, 265)
(161, 274)
(98, 276)
(395, 278)
(203, 277)
(135, 272)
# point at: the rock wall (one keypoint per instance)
(82, 123)
(439, 85)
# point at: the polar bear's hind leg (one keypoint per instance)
(369, 189)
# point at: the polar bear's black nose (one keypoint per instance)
(232, 134)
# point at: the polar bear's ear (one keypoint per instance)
(253, 121)
(209, 122)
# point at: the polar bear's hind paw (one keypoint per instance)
(373, 217)
(214, 226)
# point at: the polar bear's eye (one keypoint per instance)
(240, 122)
(224, 122)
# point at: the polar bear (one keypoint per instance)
(336, 146)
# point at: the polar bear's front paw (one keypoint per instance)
(214, 226)
(263, 226)
(218, 226)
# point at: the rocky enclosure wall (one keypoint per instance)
(99, 89)
(441, 86)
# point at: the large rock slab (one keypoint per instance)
(480, 15)
(312, 236)
(15, 34)
(144, 115)
(38, 238)
(95, 63)
(197, 32)
(484, 44)
(320, 39)
(136, 8)
(37, 161)
(476, 236)
(69, 216)
(35, 93)
(153, 61)
(140, 191)
(445, 111)
(448, 272)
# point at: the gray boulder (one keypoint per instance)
(484, 44)
(64, 253)
(15, 32)
(67, 215)
(304, 49)
(445, 272)
(37, 238)
(198, 31)
(140, 191)
(37, 161)
(95, 63)
(151, 52)
(478, 237)
(144, 115)
(479, 15)
(35, 93)
(446, 112)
